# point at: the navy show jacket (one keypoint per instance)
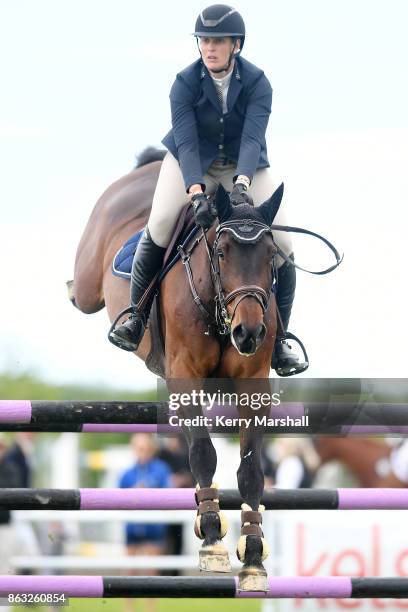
(200, 129)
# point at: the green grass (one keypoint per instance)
(162, 605)
(29, 386)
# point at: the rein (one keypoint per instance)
(300, 230)
(245, 231)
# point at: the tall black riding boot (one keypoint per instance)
(147, 261)
(285, 361)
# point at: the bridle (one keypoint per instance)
(244, 231)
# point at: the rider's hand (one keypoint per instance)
(196, 188)
(239, 194)
(202, 214)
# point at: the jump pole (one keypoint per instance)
(207, 587)
(152, 417)
(83, 416)
(80, 412)
(184, 499)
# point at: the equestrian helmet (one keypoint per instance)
(220, 20)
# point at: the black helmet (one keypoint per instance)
(220, 20)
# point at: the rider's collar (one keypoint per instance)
(204, 71)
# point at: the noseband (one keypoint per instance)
(244, 231)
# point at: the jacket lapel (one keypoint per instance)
(209, 89)
(235, 87)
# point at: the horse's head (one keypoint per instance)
(243, 257)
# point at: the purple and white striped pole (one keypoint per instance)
(279, 587)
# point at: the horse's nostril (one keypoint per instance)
(248, 339)
(243, 338)
(239, 332)
(260, 332)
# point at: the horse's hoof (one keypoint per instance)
(214, 559)
(253, 579)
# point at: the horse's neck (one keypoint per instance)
(359, 455)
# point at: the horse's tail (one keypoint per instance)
(149, 155)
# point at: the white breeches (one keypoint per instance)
(170, 197)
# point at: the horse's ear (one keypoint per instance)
(223, 204)
(270, 208)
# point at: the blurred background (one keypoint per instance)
(84, 89)
(114, 542)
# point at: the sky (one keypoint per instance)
(85, 87)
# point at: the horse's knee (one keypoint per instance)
(88, 306)
(84, 299)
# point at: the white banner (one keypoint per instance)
(337, 543)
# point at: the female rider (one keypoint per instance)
(220, 107)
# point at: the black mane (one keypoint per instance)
(149, 155)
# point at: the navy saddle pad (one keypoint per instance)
(122, 262)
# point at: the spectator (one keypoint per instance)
(147, 472)
(398, 472)
(175, 453)
(20, 454)
(295, 463)
(9, 478)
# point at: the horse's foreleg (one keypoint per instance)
(210, 524)
(252, 548)
(182, 368)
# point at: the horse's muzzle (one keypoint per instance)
(247, 339)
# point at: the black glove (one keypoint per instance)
(239, 195)
(203, 214)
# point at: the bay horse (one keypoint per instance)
(193, 349)
(367, 459)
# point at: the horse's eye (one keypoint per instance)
(220, 254)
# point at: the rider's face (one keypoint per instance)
(216, 51)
